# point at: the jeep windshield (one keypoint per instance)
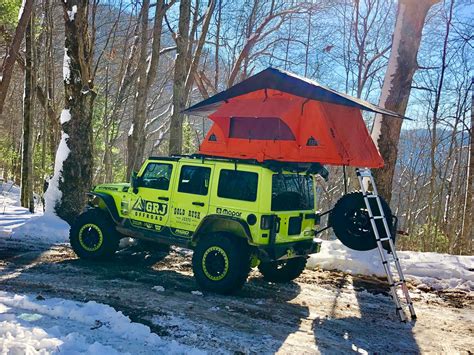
(292, 192)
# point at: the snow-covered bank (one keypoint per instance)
(30, 325)
(17, 222)
(439, 271)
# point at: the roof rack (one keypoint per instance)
(274, 165)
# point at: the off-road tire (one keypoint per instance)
(93, 235)
(350, 222)
(220, 248)
(283, 271)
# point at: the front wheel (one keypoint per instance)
(282, 271)
(93, 236)
(221, 263)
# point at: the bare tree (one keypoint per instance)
(28, 108)
(185, 67)
(146, 77)
(9, 61)
(397, 85)
(467, 213)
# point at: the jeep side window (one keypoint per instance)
(194, 180)
(157, 176)
(238, 185)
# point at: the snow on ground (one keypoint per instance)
(439, 271)
(17, 222)
(31, 324)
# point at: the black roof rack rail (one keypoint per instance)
(274, 165)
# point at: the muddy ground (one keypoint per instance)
(322, 312)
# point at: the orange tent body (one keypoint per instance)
(272, 125)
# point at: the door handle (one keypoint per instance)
(198, 203)
(162, 198)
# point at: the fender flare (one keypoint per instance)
(241, 226)
(96, 197)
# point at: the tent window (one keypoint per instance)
(261, 128)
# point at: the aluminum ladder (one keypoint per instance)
(384, 236)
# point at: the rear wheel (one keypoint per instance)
(282, 271)
(350, 222)
(93, 235)
(221, 263)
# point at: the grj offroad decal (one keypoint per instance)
(156, 208)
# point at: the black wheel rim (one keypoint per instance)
(215, 263)
(360, 223)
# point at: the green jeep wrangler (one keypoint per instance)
(234, 214)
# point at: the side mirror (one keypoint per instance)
(134, 182)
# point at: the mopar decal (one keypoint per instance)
(156, 208)
(228, 212)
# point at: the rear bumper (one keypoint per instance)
(291, 250)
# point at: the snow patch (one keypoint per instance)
(439, 271)
(53, 194)
(20, 12)
(158, 288)
(66, 67)
(46, 228)
(18, 223)
(65, 116)
(29, 325)
(72, 13)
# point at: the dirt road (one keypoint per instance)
(322, 312)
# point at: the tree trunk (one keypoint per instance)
(9, 61)
(397, 85)
(73, 164)
(180, 74)
(468, 215)
(146, 78)
(28, 107)
(136, 133)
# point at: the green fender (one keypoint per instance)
(217, 223)
(104, 202)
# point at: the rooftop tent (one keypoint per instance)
(275, 115)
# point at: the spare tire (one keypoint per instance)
(350, 222)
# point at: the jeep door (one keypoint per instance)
(150, 206)
(190, 197)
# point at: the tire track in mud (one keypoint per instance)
(321, 312)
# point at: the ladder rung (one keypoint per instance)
(384, 239)
(371, 196)
(364, 173)
(377, 217)
(398, 283)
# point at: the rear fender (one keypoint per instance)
(106, 203)
(225, 224)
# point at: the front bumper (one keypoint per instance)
(291, 250)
